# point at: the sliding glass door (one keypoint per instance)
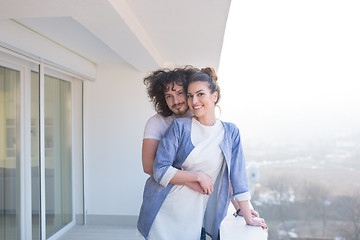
(57, 154)
(35, 152)
(9, 153)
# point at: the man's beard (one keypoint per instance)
(180, 112)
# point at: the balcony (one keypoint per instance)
(231, 229)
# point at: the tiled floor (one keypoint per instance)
(95, 232)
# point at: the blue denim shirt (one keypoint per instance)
(173, 150)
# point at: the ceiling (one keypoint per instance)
(146, 34)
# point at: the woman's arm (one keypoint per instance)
(238, 181)
(149, 149)
(249, 218)
(161, 156)
(163, 170)
(183, 177)
(238, 209)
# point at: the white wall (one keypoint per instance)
(116, 110)
(77, 145)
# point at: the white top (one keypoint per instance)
(181, 215)
(157, 125)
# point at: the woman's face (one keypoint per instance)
(200, 100)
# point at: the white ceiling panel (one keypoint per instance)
(146, 34)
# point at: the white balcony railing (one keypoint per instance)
(233, 228)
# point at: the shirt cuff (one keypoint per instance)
(169, 174)
(242, 196)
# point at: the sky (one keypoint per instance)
(290, 70)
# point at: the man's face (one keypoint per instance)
(175, 97)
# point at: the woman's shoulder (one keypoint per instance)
(230, 125)
(179, 127)
(183, 120)
(183, 125)
(231, 130)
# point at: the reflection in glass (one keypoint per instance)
(9, 154)
(58, 189)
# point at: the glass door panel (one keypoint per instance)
(9, 154)
(58, 188)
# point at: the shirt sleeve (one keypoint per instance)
(168, 175)
(153, 128)
(242, 196)
(238, 174)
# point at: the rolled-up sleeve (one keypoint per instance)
(242, 196)
(168, 175)
(163, 170)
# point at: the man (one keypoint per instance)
(166, 90)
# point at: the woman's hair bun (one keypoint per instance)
(211, 72)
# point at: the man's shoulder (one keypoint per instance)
(158, 118)
(156, 126)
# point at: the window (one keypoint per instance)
(9, 153)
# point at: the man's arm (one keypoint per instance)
(149, 149)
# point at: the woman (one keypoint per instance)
(204, 150)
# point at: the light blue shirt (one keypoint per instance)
(173, 150)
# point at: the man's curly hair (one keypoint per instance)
(157, 82)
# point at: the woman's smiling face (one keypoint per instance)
(200, 100)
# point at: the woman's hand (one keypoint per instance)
(206, 183)
(256, 221)
(197, 181)
(194, 186)
(252, 211)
